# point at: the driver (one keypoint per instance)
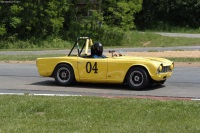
(97, 50)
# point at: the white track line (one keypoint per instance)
(32, 94)
(195, 99)
(62, 95)
(12, 94)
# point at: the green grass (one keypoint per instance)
(131, 39)
(93, 114)
(37, 49)
(172, 29)
(49, 43)
(148, 39)
(26, 57)
(184, 59)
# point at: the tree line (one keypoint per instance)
(169, 13)
(33, 19)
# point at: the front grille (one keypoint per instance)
(165, 69)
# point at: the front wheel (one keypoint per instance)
(64, 74)
(137, 78)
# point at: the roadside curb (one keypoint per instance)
(160, 98)
(33, 94)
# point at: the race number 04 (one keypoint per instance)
(90, 68)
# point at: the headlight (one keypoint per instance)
(160, 68)
(172, 66)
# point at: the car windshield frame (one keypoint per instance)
(76, 46)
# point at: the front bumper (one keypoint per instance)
(161, 76)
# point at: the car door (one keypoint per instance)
(92, 69)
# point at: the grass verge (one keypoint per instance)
(178, 59)
(37, 44)
(148, 39)
(131, 39)
(26, 57)
(94, 114)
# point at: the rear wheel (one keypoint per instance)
(64, 74)
(137, 78)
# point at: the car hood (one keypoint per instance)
(146, 59)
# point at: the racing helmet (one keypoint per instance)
(97, 49)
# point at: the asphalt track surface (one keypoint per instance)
(24, 78)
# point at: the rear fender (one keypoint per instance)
(73, 67)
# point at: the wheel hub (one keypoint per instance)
(136, 78)
(63, 75)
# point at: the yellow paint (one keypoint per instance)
(110, 70)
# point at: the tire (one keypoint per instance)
(64, 74)
(153, 82)
(162, 82)
(137, 78)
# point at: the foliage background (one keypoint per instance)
(165, 14)
(51, 23)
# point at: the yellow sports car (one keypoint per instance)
(86, 63)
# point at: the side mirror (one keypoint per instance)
(111, 51)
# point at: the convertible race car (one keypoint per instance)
(81, 65)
